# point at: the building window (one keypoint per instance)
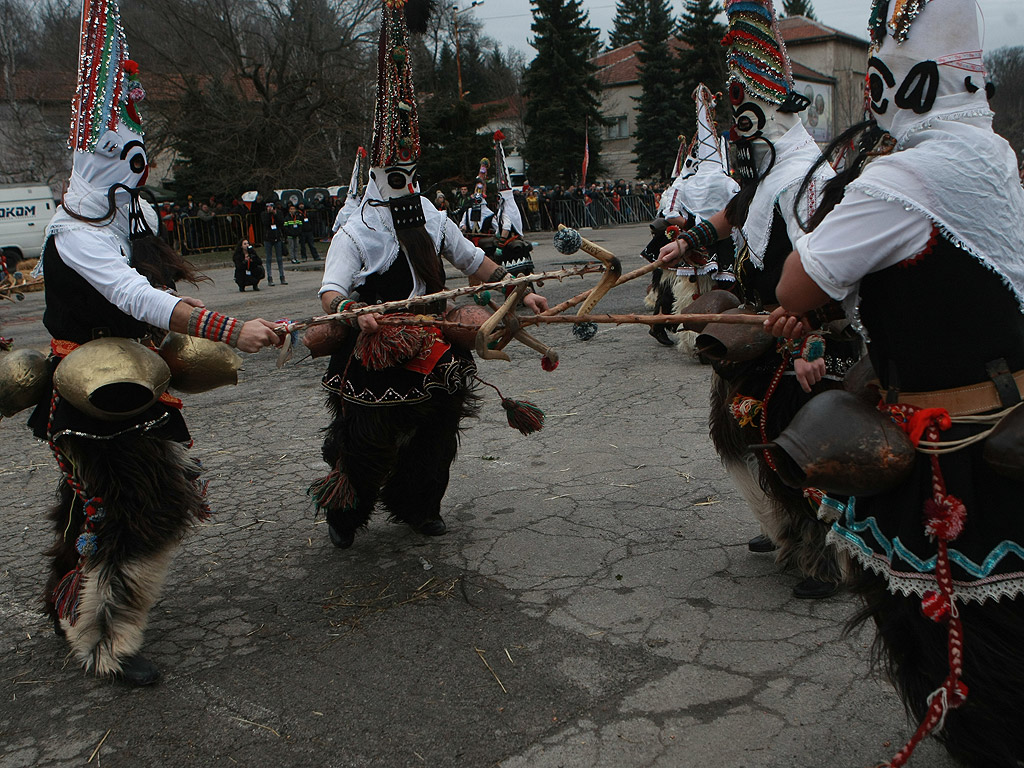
(619, 128)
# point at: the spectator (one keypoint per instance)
(248, 267)
(293, 231)
(273, 234)
(440, 202)
(167, 223)
(306, 234)
(533, 208)
(205, 229)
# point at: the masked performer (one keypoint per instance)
(129, 490)
(395, 429)
(932, 223)
(354, 196)
(701, 189)
(753, 401)
(512, 250)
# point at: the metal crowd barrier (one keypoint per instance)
(601, 212)
(194, 234)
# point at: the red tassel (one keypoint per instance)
(499, 136)
(333, 491)
(945, 517)
(393, 345)
(523, 415)
(65, 596)
(548, 364)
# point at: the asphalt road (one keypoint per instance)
(593, 604)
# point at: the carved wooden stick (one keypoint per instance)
(338, 317)
(525, 320)
(579, 298)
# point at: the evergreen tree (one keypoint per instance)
(798, 8)
(630, 22)
(704, 60)
(660, 111)
(563, 94)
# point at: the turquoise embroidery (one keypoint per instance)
(851, 529)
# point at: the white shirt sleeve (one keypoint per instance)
(460, 251)
(341, 264)
(861, 235)
(96, 256)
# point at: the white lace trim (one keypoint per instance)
(1008, 585)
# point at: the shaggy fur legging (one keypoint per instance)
(150, 496)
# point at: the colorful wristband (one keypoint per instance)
(702, 236)
(206, 324)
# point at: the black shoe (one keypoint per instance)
(255, 287)
(283, 281)
(340, 539)
(432, 527)
(295, 261)
(761, 543)
(138, 670)
(316, 258)
(814, 589)
(661, 335)
(241, 289)
(270, 283)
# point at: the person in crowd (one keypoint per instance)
(273, 242)
(306, 232)
(293, 231)
(248, 266)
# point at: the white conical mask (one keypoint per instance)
(937, 69)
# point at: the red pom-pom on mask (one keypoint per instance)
(130, 66)
(499, 136)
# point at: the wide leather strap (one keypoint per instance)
(960, 401)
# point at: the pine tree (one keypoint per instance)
(704, 60)
(630, 22)
(798, 8)
(563, 94)
(661, 105)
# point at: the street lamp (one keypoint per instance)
(458, 50)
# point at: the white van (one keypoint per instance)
(25, 210)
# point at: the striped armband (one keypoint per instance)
(700, 237)
(341, 304)
(206, 324)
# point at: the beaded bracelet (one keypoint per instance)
(207, 324)
(809, 348)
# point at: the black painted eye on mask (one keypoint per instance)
(878, 81)
(750, 120)
(919, 88)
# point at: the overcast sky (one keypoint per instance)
(509, 20)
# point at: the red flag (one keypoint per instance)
(586, 157)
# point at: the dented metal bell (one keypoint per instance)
(711, 303)
(734, 343)
(841, 445)
(24, 379)
(199, 365)
(112, 378)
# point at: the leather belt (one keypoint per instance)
(961, 401)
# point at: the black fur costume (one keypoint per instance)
(105, 577)
(786, 515)
(394, 432)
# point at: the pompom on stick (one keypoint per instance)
(568, 241)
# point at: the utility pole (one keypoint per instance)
(458, 49)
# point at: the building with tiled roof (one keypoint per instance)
(828, 66)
